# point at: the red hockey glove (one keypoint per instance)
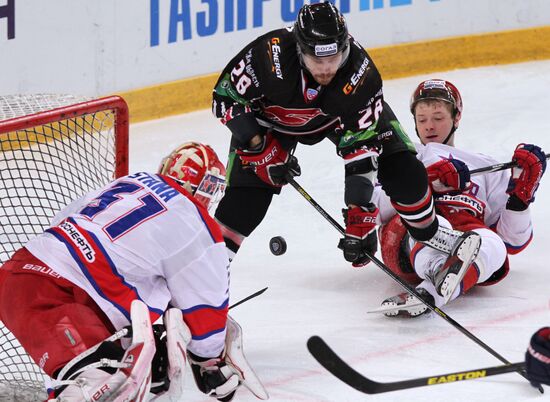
(360, 234)
(271, 162)
(537, 358)
(449, 176)
(531, 164)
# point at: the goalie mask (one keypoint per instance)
(199, 171)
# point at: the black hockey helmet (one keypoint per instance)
(321, 30)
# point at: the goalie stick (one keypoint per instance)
(405, 285)
(340, 369)
(247, 298)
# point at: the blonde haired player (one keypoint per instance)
(495, 205)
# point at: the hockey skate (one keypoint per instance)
(447, 278)
(444, 239)
(405, 305)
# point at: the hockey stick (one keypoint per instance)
(339, 368)
(497, 167)
(247, 298)
(403, 284)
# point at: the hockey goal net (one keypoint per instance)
(54, 148)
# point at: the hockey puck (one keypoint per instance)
(277, 245)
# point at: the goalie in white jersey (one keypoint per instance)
(140, 248)
(495, 205)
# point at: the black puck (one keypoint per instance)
(277, 245)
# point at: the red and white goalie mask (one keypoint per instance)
(197, 168)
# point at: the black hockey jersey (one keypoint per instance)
(265, 84)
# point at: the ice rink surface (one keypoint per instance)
(312, 290)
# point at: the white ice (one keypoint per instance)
(312, 290)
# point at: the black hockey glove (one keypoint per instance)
(214, 377)
(360, 237)
(537, 358)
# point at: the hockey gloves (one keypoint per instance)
(214, 377)
(270, 162)
(531, 164)
(360, 237)
(220, 377)
(448, 176)
(537, 358)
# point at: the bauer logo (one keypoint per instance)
(326, 50)
(7, 11)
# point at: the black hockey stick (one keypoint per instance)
(497, 167)
(340, 369)
(247, 298)
(404, 284)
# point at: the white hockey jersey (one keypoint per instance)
(485, 199)
(142, 237)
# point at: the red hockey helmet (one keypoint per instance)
(440, 90)
(198, 169)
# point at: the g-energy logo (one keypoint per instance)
(275, 51)
(356, 77)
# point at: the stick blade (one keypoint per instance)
(340, 369)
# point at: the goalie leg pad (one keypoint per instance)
(96, 381)
(178, 337)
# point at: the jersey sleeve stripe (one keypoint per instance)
(517, 249)
(204, 320)
(98, 268)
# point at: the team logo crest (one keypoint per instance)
(311, 94)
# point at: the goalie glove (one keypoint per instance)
(270, 161)
(214, 377)
(220, 377)
(449, 176)
(525, 179)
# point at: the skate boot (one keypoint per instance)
(447, 278)
(444, 239)
(405, 305)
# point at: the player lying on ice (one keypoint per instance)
(494, 205)
(81, 297)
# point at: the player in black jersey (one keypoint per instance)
(303, 84)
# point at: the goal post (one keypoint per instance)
(53, 149)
